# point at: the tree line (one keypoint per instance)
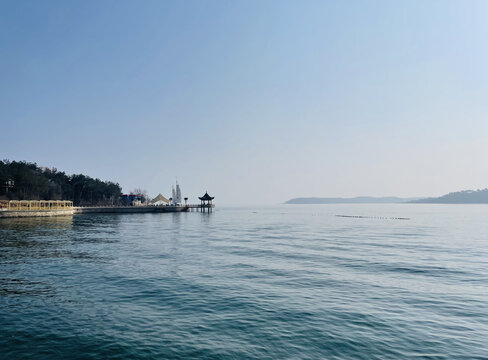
(21, 180)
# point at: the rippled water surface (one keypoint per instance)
(289, 282)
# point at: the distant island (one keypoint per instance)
(459, 197)
(355, 200)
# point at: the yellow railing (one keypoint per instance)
(26, 205)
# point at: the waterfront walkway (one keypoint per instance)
(27, 209)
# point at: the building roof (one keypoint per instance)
(206, 197)
(160, 197)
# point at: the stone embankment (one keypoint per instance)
(128, 209)
(91, 210)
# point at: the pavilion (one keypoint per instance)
(206, 202)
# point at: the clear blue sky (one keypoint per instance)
(254, 101)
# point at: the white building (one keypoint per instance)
(176, 200)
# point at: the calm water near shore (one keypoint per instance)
(285, 282)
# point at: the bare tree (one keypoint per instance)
(143, 192)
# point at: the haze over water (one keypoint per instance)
(285, 282)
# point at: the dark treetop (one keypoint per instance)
(31, 182)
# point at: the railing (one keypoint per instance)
(26, 205)
(196, 206)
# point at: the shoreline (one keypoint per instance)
(95, 209)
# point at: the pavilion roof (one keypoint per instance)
(206, 197)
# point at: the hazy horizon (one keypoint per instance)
(254, 102)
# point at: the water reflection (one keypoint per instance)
(29, 240)
(63, 241)
(29, 223)
(177, 218)
(20, 236)
(98, 228)
(205, 217)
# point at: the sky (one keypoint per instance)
(255, 102)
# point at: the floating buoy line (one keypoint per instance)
(373, 217)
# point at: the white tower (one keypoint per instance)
(176, 194)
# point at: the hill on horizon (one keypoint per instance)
(459, 197)
(479, 196)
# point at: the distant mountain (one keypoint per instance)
(355, 200)
(460, 197)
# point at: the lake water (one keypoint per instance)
(285, 282)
